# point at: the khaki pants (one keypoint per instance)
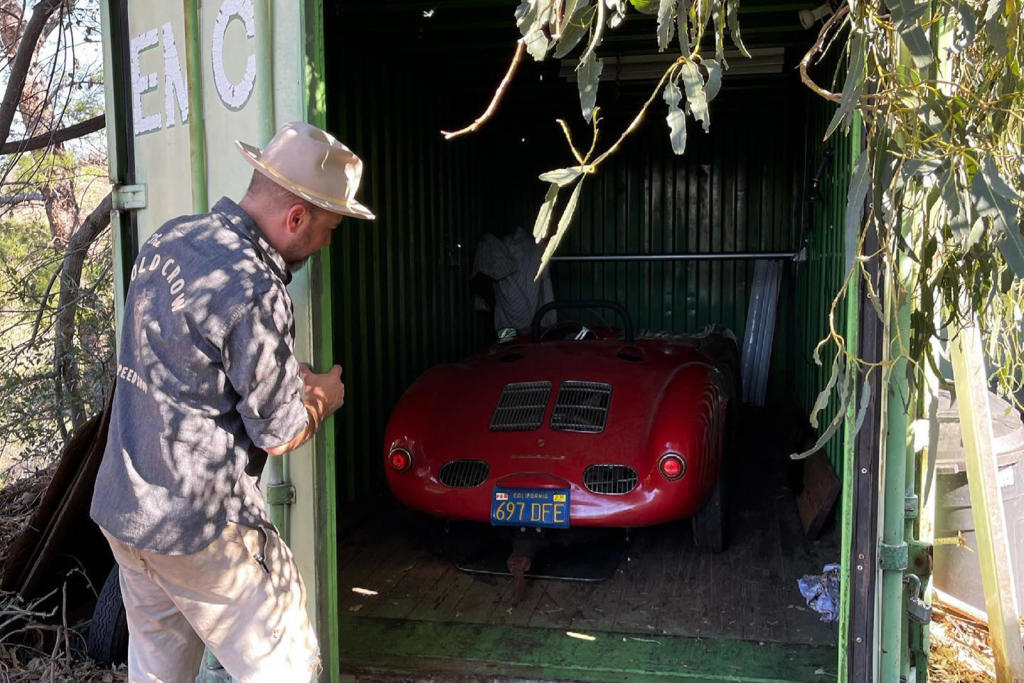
(241, 596)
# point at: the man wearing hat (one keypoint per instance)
(209, 386)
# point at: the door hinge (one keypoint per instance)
(892, 557)
(127, 197)
(280, 494)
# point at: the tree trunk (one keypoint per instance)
(65, 360)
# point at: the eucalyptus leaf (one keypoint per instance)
(575, 28)
(865, 400)
(967, 27)
(562, 176)
(543, 222)
(563, 226)
(537, 43)
(714, 83)
(683, 26)
(860, 180)
(825, 394)
(994, 199)
(732, 15)
(994, 8)
(526, 15)
(845, 393)
(618, 8)
(676, 118)
(588, 75)
(666, 25)
(853, 87)
(917, 43)
(695, 94)
(923, 167)
(719, 15)
(995, 32)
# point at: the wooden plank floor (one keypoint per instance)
(662, 586)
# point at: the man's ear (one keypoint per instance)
(296, 216)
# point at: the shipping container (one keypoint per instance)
(752, 212)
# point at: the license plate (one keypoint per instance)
(530, 507)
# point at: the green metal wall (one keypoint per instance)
(401, 301)
(732, 191)
(820, 278)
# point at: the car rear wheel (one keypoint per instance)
(709, 522)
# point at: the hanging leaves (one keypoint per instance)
(676, 118)
(588, 76)
(695, 95)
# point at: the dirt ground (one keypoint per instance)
(39, 645)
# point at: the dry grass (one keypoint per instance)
(960, 650)
(36, 643)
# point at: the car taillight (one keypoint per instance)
(672, 466)
(400, 459)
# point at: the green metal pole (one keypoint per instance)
(893, 548)
(325, 471)
(196, 121)
(849, 440)
(278, 470)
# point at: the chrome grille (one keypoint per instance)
(464, 474)
(581, 407)
(521, 407)
(610, 479)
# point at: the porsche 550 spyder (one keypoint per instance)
(572, 427)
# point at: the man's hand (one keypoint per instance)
(326, 391)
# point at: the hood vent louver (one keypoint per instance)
(464, 474)
(581, 407)
(610, 479)
(521, 407)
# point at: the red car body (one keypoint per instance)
(664, 394)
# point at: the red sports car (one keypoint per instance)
(572, 427)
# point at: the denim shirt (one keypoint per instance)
(206, 378)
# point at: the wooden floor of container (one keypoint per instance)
(737, 615)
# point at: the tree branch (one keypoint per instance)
(516, 58)
(64, 362)
(21, 63)
(55, 137)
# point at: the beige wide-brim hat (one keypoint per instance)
(312, 164)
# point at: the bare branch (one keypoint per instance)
(498, 94)
(22, 61)
(55, 137)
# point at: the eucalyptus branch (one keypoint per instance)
(498, 94)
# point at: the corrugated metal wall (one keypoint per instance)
(820, 278)
(732, 191)
(400, 299)
(401, 295)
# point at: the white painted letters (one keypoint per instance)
(142, 84)
(174, 79)
(234, 95)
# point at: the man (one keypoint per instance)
(208, 386)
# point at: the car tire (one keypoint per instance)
(107, 642)
(709, 522)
